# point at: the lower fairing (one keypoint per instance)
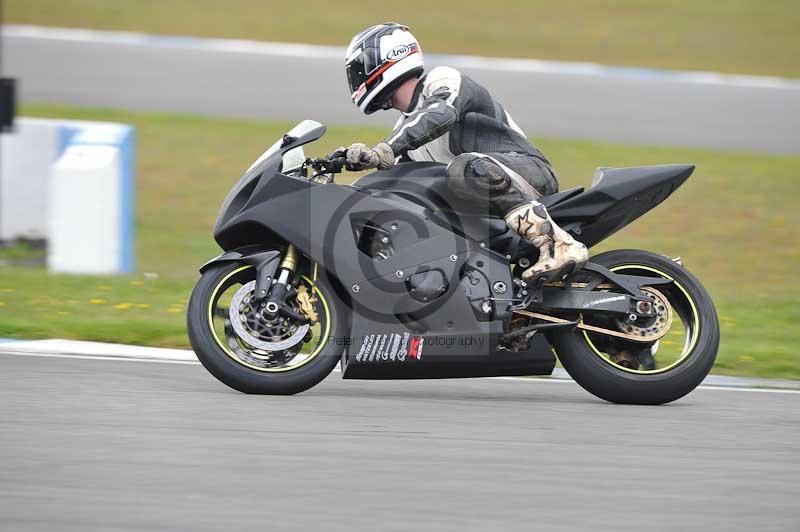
(435, 357)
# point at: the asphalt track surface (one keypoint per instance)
(293, 82)
(120, 445)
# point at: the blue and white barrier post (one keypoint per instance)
(71, 182)
(91, 203)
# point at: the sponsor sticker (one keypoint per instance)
(415, 347)
(392, 347)
(604, 300)
(398, 52)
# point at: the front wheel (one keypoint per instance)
(253, 351)
(622, 371)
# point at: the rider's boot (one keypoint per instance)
(559, 253)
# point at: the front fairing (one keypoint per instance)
(272, 161)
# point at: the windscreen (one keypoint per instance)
(306, 126)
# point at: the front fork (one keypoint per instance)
(282, 286)
(273, 299)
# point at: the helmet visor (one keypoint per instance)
(356, 75)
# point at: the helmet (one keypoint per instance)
(380, 59)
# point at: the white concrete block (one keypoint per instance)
(85, 195)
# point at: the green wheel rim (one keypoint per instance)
(688, 345)
(226, 349)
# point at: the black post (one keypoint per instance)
(8, 104)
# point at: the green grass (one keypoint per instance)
(15, 252)
(735, 223)
(745, 36)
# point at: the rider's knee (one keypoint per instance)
(457, 172)
(477, 169)
(459, 166)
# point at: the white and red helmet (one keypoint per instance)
(378, 60)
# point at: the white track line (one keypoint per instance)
(112, 358)
(701, 387)
(737, 389)
(313, 51)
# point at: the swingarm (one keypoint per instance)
(629, 297)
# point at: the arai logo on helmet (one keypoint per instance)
(398, 52)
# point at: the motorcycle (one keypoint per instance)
(394, 277)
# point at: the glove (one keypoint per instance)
(359, 157)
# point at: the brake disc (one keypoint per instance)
(658, 325)
(241, 310)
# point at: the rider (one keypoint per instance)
(449, 118)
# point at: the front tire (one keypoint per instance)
(598, 374)
(222, 361)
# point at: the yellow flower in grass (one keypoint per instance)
(123, 306)
(142, 305)
(2, 304)
(97, 301)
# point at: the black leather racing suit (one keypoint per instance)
(454, 120)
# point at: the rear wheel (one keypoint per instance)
(253, 351)
(623, 371)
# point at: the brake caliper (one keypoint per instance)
(306, 302)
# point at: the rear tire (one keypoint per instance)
(608, 381)
(220, 363)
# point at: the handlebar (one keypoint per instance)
(326, 167)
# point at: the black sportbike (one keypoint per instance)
(396, 278)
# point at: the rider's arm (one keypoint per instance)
(440, 110)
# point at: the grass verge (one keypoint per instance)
(735, 223)
(744, 36)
